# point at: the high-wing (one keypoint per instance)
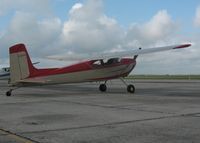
(121, 54)
(140, 51)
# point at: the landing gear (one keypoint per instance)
(103, 87)
(131, 88)
(9, 93)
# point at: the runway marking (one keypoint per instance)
(113, 123)
(16, 137)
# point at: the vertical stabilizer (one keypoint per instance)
(21, 66)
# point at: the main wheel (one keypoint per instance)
(131, 88)
(102, 87)
(8, 93)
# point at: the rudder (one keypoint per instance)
(21, 66)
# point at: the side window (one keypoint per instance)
(98, 63)
(112, 61)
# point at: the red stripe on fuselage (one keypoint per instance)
(84, 66)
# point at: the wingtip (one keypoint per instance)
(183, 46)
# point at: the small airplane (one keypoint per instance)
(5, 72)
(23, 73)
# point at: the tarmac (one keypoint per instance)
(165, 111)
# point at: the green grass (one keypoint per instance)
(165, 77)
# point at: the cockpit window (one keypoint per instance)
(100, 63)
(97, 62)
(112, 61)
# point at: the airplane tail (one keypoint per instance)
(21, 66)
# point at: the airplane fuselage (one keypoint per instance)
(87, 71)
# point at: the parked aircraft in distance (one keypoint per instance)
(23, 73)
(4, 73)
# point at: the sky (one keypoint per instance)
(71, 28)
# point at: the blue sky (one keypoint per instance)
(130, 11)
(61, 26)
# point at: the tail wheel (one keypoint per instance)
(131, 88)
(103, 87)
(8, 93)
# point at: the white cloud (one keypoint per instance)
(75, 8)
(158, 29)
(197, 17)
(89, 29)
(38, 34)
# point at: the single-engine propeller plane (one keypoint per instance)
(23, 73)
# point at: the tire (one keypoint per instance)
(8, 93)
(102, 88)
(131, 88)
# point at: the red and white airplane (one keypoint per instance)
(23, 73)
